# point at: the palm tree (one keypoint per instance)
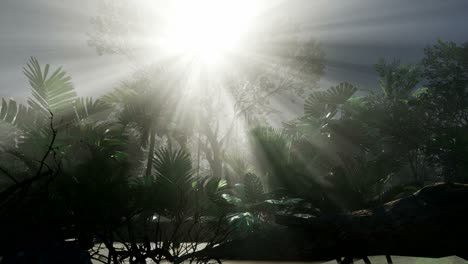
(148, 107)
(52, 95)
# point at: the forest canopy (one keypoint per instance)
(173, 163)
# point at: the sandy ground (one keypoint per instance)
(373, 259)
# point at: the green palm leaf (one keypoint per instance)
(173, 166)
(173, 183)
(17, 115)
(53, 92)
(87, 107)
(8, 111)
(314, 105)
(324, 103)
(340, 93)
(120, 95)
(253, 187)
(271, 148)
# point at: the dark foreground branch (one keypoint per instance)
(40, 173)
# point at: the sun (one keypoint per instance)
(208, 30)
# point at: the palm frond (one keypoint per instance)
(397, 80)
(140, 117)
(173, 181)
(173, 166)
(53, 92)
(271, 147)
(341, 93)
(104, 136)
(314, 105)
(253, 187)
(87, 107)
(8, 111)
(18, 115)
(236, 164)
(324, 103)
(119, 95)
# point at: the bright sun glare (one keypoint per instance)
(208, 30)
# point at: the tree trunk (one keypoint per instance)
(149, 162)
(414, 171)
(216, 163)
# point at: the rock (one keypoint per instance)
(433, 222)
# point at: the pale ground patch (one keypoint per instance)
(373, 259)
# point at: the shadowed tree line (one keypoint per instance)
(148, 173)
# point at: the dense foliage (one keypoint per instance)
(126, 171)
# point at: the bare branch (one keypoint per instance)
(39, 174)
(51, 144)
(8, 175)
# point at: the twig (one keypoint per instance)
(26, 183)
(51, 144)
(8, 175)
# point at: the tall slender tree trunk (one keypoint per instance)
(217, 166)
(414, 171)
(216, 162)
(198, 156)
(149, 162)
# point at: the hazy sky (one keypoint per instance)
(354, 33)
